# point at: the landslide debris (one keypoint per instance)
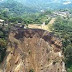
(33, 50)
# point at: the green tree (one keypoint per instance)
(63, 29)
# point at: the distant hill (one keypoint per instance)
(15, 7)
(47, 4)
(20, 7)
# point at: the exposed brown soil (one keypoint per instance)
(39, 33)
(33, 49)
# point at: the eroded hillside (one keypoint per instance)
(33, 50)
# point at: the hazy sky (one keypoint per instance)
(40, 1)
(1, 0)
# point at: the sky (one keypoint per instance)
(1, 0)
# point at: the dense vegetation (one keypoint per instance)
(29, 11)
(63, 28)
(3, 43)
(37, 18)
(15, 7)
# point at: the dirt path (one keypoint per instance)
(52, 21)
(43, 26)
(50, 24)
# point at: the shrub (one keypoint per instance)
(31, 70)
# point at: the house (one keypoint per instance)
(62, 13)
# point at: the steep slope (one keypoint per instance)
(33, 50)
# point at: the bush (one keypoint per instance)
(3, 44)
(31, 70)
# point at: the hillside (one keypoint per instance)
(33, 50)
(47, 4)
(35, 35)
(15, 8)
(20, 7)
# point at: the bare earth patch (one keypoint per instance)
(33, 49)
